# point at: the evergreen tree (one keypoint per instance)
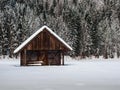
(73, 22)
(91, 27)
(93, 17)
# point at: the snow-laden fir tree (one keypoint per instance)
(91, 27)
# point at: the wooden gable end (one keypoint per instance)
(45, 41)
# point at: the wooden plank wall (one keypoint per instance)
(45, 41)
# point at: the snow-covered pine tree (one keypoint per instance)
(93, 18)
(0, 39)
(89, 26)
(73, 22)
(8, 31)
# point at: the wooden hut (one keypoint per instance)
(44, 47)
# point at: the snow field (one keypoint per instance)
(93, 74)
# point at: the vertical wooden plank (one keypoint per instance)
(42, 41)
(45, 40)
(57, 45)
(35, 43)
(29, 47)
(51, 43)
(39, 42)
(48, 41)
(21, 58)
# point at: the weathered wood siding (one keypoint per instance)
(45, 41)
(44, 47)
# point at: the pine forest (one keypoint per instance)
(90, 27)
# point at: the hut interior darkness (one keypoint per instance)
(44, 47)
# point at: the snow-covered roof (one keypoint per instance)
(36, 33)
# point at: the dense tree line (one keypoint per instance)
(91, 27)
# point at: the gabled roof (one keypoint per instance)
(36, 33)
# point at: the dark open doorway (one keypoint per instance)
(44, 57)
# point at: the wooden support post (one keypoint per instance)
(23, 58)
(62, 58)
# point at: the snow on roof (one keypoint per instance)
(36, 33)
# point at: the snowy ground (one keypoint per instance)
(95, 74)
